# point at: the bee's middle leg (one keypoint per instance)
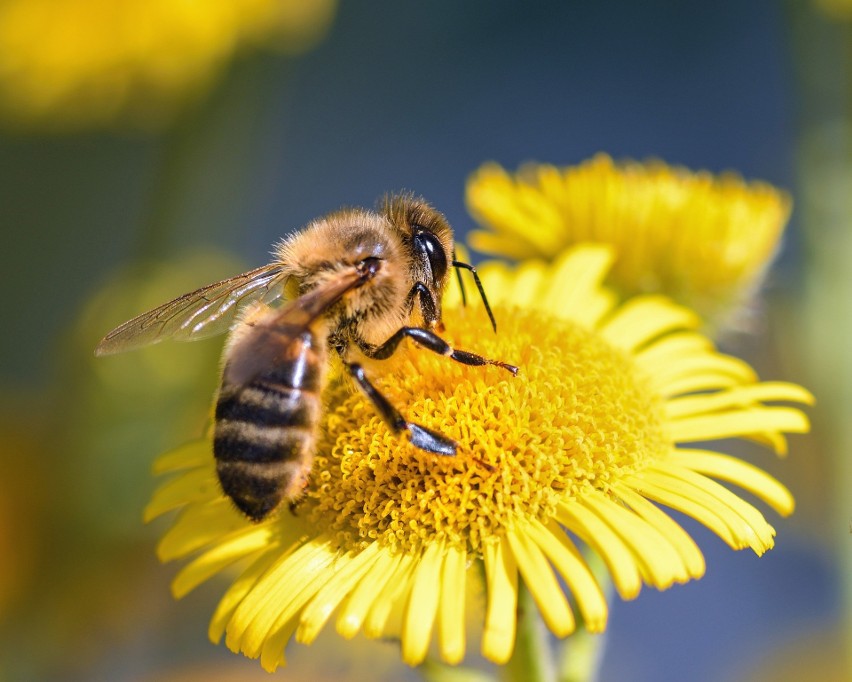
(431, 341)
(420, 436)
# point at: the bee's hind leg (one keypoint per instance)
(420, 436)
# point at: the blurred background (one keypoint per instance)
(147, 148)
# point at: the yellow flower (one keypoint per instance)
(77, 63)
(705, 241)
(583, 444)
(839, 10)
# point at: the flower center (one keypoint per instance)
(578, 416)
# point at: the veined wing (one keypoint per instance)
(205, 312)
(273, 337)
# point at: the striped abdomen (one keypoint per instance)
(266, 428)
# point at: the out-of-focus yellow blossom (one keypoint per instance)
(24, 491)
(76, 63)
(835, 9)
(605, 425)
(701, 239)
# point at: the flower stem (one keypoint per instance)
(580, 657)
(581, 654)
(435, 671)
(532, 659)
(824, 207)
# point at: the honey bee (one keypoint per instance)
(359, 282)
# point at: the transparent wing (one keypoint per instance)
(205, 312)
(272, 336)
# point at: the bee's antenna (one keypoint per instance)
(461, 282)
(467, 266)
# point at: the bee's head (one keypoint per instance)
(428, 238)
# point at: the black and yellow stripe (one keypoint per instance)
(265, 430)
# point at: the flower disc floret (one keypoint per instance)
(577, 416)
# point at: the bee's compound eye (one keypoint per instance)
(428, 244)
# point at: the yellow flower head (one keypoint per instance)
(78, 63)
(583, 445)
(704, 240)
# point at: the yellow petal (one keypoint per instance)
(197, 526)
(775, 440)
(490, 243)
(739, 397)
(319, 610)
(398, 586)
(529, 278)
(197, 453)
(539, 578)
(743, 533)
(704, 239)
(644, 485)
(651, 548)
(644, 318)
(691, 556)
(701, 373)
(674, 347)
(598, 535)
(574, 290)
(194, 486)
(236, 593)
(241, 544)
(291, 612)
(738, 423)
(559, 549)
(451, 616)
(354, 610)
(273, 595)
(422, 605)
(715, 379)
(498, 636)
(753, 519)
(740, 473)
(498, 281)
(272, 653)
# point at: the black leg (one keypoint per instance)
(420, 436)
(433, 342)
(427, 303)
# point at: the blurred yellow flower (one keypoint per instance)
(583, 444)
(77, 63)
(840, 10)
(703, 240)
(25, 489)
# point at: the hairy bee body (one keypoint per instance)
(265, 429)
(269, 403)
(355, 283)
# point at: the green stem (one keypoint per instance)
(532, 659)
(581, 654)
(822, 45)
(579, 657)
(435, 671)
